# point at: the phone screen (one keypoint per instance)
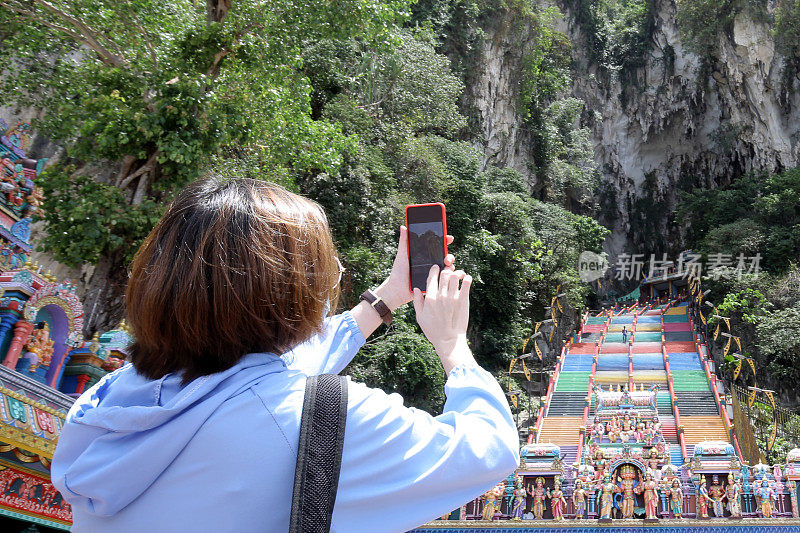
(425, 242)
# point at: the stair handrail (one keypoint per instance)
(588, 403)
(550, 390)
(674, 399)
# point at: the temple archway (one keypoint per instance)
(627, 474)
(58, 322)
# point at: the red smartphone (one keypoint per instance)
(427, 241)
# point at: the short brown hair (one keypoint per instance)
(235, 266)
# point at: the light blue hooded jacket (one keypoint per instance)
(218, 454)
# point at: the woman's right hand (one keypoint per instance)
(443, 315)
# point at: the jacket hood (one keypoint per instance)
(126, 430)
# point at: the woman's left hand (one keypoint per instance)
(396, 290)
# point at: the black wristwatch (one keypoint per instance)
(378, 305)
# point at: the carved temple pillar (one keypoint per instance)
(82, 379)
(6, 323)
(22, 332)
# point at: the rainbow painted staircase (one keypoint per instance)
(642, 362)
(659, 347)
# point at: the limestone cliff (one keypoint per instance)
(681, 124)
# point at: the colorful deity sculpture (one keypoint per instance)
(599, 463)
(539, 494)
(653, 460)
(649, 433)
(607, 491)
(519, 494)
(598, 430)
(627, 423)
(649, 488)
(640, 433)
(557, 502)
(625, 399)
(656, 426)
(491, 504)
(579, 498)
(733, 493)
(612, 428)
(626, 480)
(41, 345)
(676, 498)
(717, 495)
(702, 499)
(791, 486)
(766, 498)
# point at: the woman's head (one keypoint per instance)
(235, 266)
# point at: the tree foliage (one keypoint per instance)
(155, 89)
(779, 343)
(703, 22)
(354, 104)
(755, 214)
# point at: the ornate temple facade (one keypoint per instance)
(45, 360)
(636, 431)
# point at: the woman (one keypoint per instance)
(607, 491)
(650, 490)
(227, 300)
(557, 502)
(520, 500)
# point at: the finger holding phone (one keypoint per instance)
(441, 294)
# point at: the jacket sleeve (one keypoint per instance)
(402, 467)
(330, 351)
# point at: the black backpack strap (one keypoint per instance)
(319, 454)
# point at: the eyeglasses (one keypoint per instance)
(341, 271)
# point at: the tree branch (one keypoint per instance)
(85, 34)
(213, 70)
(91, 35)
(148, 166)
(125, 168)
(144, 34)
(141, 187)
(40, 20)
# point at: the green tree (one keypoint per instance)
(779, 343)
(149, 93)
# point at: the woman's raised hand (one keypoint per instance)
(443, 314)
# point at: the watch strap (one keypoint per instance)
(379, 305)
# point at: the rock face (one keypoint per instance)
(677, 127)
(492, 91)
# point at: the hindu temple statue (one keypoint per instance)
(676, 498)
(649, 433)
(650, 490)
(767, 497)
(41, 345)
(627, 423)
(717, 494)
(653, 460)
(791, 486)
(702, 499)
(491, 505)
(733, 493)
(599, 464)
(539, 493)
(640, 432)
(557, 502)
(612, 428)
(626, 480)
(598, 430)
(579, 498)
(519, 494)
(607, 491)
(625, 399)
